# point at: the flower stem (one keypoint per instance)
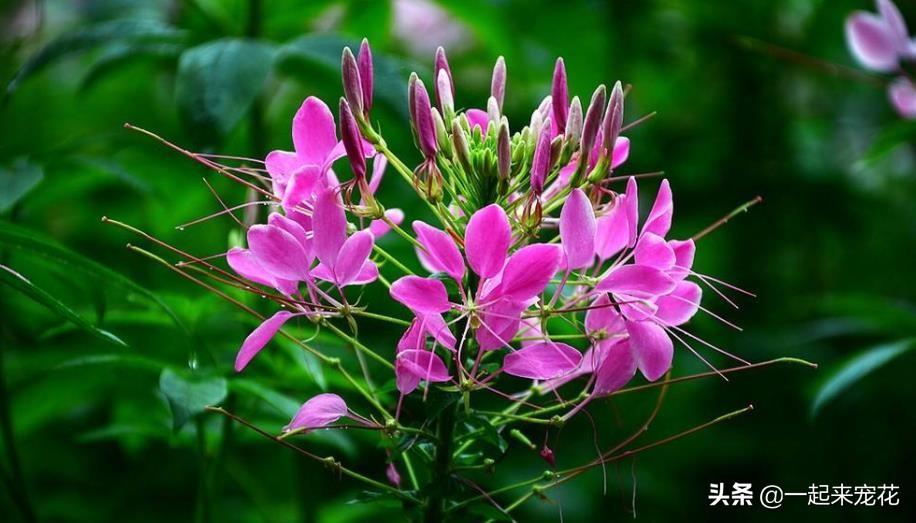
(394, 261)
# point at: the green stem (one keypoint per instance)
(357, 344)
(394, 261)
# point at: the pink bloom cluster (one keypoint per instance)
(531, 233)
(882, 43)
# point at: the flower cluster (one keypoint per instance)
(882, 43)
(530, 233)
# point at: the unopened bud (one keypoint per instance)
(441, 136)
(613, 120)
(498, 83)
(503, 152)
(559, 95)
(440, 66)
(426, 130)
(461, 148)
(592, 122)
(444, 91)
(574, 123)
(547, 455)
(364, 61)
(493, 110)
(352, 84)
(540, 163)
(349, 132)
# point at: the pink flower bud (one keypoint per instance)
(442, 65)
(574, 122)
(498, 83)
(364, 60)
(392, 474)
(426, 128)
(613, 120)
(559, 95)
(503, 152)
(540, 164)
(444, 91)
(352, 84)
(592, 121)
(547, 455)
(349, 132)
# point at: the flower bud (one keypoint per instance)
(441, 136)
(503, 152)
(540, 163)
(442, 65)
(352, 141)
(364, 61)
(613, 119)
(444, 91)
(461, 147)
(574, 123)
(493, 111)
(352, 84)
(559, 95)
(498, 83)
(547, 455)
(426, 128)
(592, 121)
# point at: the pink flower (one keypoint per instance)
(319, 411)
(343, 260)
(879, 41)
(279, 255)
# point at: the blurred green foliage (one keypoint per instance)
(98, 429)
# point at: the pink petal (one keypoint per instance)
(651, 347)
(487, 239)
(246, 265)
(654, 251)
(329, 226)
(259, 338)
(618, 367)
(442, 253)
(413, 337)
(500, 322)
(379, 162)
(872, 42)
(292, 227)
(612, 231)
(301, 186)
(631, 204)
(603, 317)
(637, 280)
(903, 97)
(684, 252)
(279, 252)
(679, 306)
(577, 230)
(280, 166)
(434, 325)
(314, 132)
(895, 22)
(421, 295)
(621, 152)
(542, 361)
(379, 228)
(320, 411)
(529, 270)
(391, 472)
(659, 220)
(413, 366)
(478, 118)
(368, 273)
(353, 255)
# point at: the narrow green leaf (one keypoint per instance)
(40, 296)
(189, 395)
(113, 359)
(123, 30)
(217, 83)
(17, 180)
(856, 368)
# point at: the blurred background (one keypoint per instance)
(757, 97)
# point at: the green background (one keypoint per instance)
(829, 252)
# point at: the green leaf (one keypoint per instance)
(856, 368)
(122, 30)
(119, 54)
(114, 359)
(190, 395)
(300, 57)
(217, 83)
(40, 296)
(75, 265)
(285, 405)
(891, 137)
(17, 180)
